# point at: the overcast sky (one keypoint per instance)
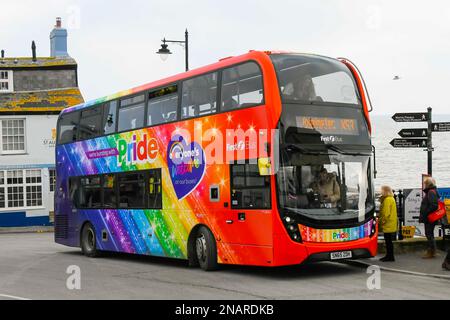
(114, 42)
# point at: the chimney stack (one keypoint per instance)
(58, 40)
(2, 56)
(33, 51)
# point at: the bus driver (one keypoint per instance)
(328, 188)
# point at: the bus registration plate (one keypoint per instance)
(341, 255)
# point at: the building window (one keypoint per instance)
(52, 179)
(6, 81)
(13, 136)
(20, 189)
(33, 181)
(14, 182)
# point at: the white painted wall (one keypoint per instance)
(40, 153)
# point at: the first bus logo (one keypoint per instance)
(140, 149)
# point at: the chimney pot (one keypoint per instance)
(58, 22)
(3, 54)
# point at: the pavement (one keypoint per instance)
(412, 245)
(32, 266)
(33, 229)
(410, 263)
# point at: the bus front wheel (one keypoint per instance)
(88, 241)
(206, 250)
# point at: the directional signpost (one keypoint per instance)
(441, 126)
(419, 137)
(409, 143)
(410, 117)
(412, 133)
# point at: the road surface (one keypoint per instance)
(32, 266)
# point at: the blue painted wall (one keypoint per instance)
(19, 219)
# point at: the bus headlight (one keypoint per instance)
(292, 228)
(374, 227)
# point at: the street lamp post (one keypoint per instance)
(164, 51)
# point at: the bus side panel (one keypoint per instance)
(247, 255)
(132, 231)
(165, 232)
(66, 221)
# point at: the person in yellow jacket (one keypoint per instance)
(388, 221)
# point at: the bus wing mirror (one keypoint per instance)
(264, 166)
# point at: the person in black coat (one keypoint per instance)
(429, 204)
(446, 263)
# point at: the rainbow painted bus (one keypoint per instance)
(261, 159)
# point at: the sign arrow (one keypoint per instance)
(441, 126)
(413, 133)
(409, 143)
(410, 117)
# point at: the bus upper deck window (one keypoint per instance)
(90, 123)
(131, 113)
(242, 86)
(68, 125)
(110, 117)
(199, 96)
(162, 105)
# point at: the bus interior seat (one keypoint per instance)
(68, 136)
(171, 116)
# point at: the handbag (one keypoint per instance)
(438, 214)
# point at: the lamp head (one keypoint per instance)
(164, 51)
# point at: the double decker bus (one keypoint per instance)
(261, 159)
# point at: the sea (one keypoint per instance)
(402, 168)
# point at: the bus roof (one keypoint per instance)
(251, 55)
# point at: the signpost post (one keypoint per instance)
(430, 144)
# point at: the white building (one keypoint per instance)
(33, 91)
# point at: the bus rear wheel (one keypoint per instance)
(88, 241)
(206, 249)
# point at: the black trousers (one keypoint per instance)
(388, 238)
(429, 232)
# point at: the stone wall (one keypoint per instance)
(30, 80)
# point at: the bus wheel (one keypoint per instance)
(206, 250)
(88, 241)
